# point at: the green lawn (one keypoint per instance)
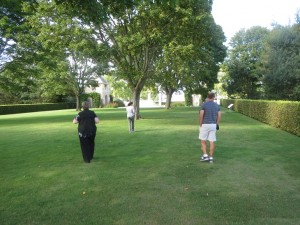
(152, 176)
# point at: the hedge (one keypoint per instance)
(24, 108)
(281, 114)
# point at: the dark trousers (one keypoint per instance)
(131, 123)
(87, 145)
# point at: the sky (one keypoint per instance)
(233, 15)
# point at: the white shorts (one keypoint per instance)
(207, 132)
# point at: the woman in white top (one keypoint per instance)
(130, 116)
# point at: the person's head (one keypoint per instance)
(211, 95)
(130, 103)
(85, 104)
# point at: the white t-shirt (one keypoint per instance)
(130, 111)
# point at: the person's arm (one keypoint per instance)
(201, 114)
(75, 121)
(219, 117)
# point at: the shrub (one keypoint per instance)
(281, 114)
(93, 95)
(177, 104)
(111, 105)
(24, 108)
(119, 103)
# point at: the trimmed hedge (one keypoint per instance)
(281, 114)
(24, 108)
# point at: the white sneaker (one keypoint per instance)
(204, 159)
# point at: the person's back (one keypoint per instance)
(211, 110)
(86, 119)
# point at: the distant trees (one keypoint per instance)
(281, 61)
(243, 63)
(264, 63)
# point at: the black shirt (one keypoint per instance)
(86, 119)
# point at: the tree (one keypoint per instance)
(120, 88)
(17, 63)
(242, 67)
(281, 63)
(72, 51)
(191, 49)
(137, 31)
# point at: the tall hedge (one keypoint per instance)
(24, 108)
(281, 114)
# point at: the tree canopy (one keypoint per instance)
(64, 42)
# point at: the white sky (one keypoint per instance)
(233, 15)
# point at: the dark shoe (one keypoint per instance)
(204, 159)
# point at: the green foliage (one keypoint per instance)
(115, 104)
(178, 104)
(120, 88)
(96, 97)
(67, 43)
(281, 114)
(281, 64)
(25, 108)
(111, 105)
(119, 103)
(242, 67)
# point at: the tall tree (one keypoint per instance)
(71, 47)
(17, 63)
(244, 62)
(282, 63)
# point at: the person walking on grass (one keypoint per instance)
(209, 119)
(87, 129)
(130, 116)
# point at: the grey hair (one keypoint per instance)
(85, 104)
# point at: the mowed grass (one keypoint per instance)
(152, 176)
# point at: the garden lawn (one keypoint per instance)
(152, 176)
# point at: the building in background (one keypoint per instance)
(103, 89)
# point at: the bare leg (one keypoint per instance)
(203, 147)
(211, 148)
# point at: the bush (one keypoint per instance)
(93, 95)
(111, 105)
(177, 104)
(119, 103)
(24, 108)
(281, 114)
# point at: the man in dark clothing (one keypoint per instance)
(87, 129)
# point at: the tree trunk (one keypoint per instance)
(78, 103)
(136, 96)
(136, 102)
(169, 93)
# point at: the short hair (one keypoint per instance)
(211, 95)
(85, 104)
(130, 103)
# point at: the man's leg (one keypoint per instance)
(211, 148)
(203, 147)
(204, 157)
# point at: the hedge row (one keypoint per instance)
(24, 108)
(281, 114)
